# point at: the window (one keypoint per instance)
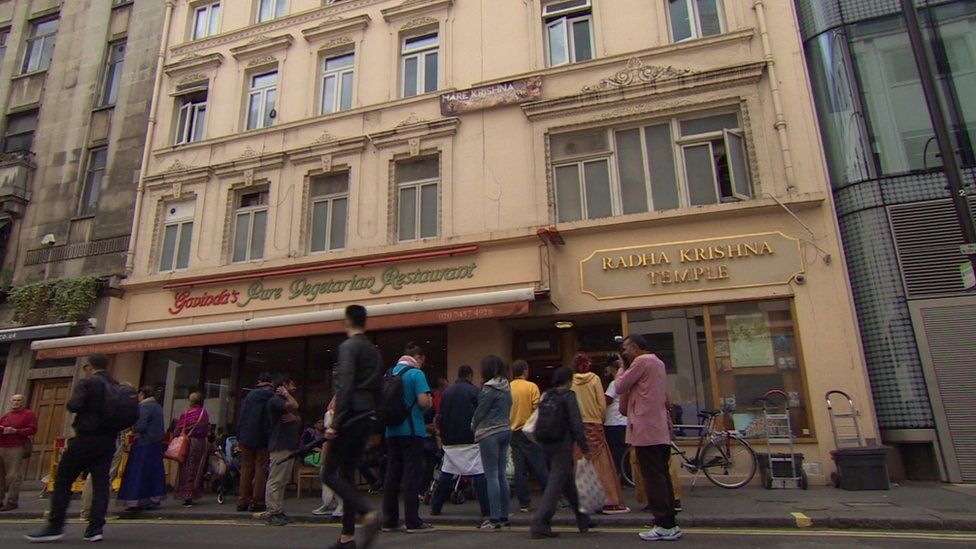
(250, 226)
(93, 182)
(337, 81)
(40, 45)
(19, 135)
(271, 9)
(191, 116)
(417, 182)
(206, 20)
(694, 18)
(261, 100)
(569, 31)
(330, 202)
(4, 36)
(660, 166)
(177, 232)
(113, 73)
(419, 55)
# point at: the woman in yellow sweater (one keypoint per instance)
(593, 405)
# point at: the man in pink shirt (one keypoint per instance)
(643, 390)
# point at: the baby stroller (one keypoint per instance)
(462, 491)
(225, 469)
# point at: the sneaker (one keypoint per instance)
(423, 528)
(257, 508)
(93, 534)
(278, 519)
(389, 529)
(45, 535)
(661, 534)
(351, 544)
(615, 510)
(677, 506)
(523, 508)
(188, 503)
(243, 507)
(323, 510)
(490, 526)
(336, 517)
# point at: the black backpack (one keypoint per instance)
(551, 424)
(120, 407)
(392, 409)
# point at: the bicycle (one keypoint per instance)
(725, 457)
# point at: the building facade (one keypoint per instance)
(75, 83)
(523, 178)
(899, 227)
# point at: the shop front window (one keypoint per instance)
(174, 374)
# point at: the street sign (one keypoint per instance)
(967, 249)
(968, 276)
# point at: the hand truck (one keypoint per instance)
(782, 469)
(845, 426)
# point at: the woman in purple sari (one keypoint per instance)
(195, 422)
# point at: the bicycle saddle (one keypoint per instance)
(709, 413)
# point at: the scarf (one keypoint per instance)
(409, 361)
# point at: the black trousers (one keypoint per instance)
(339, 469)
(404, 469)
(655, 468)
(527, 455)
(617, 441)
(91, 453)
(562, 482)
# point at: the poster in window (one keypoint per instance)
(750, 342)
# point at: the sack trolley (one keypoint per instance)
(845, 425)
(783, 469)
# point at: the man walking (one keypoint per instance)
(252, 440)
(644, 386)
(405, 445)
(356, 381)
(462, 457)
(90, 450)
(283, 440)
(525, 453)
(16, 428)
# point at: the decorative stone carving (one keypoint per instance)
(259, 38)
(195, 77)
(325, 138)
(248, 152)
(419, 22)
(177, 166)
(326, 163)
(177, 189)
(410, 120)
(414, 145)
(337, 43)
(636, 73)
(248, 178)
(263, 60)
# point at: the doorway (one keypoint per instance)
(48, 398)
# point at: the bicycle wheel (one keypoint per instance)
(626, 471)
(729, 462)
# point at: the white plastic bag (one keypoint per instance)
(529, 428)
(591, 495)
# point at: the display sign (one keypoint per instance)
(693, 266)
(968, 277)
(486, 97)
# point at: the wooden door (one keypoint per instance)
(48, 400)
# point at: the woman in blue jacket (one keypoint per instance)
(493, 433)
(144, 481)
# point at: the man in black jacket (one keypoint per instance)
(90, 450)
(461, 454)
(253, 429)
(356, 381)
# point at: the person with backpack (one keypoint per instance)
(253, 430)
(144, 481)
(406, 395)
(493, 433)
(356, 381)
(102, 408)
(558, 426)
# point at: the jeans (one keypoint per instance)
(254, 475)
(339, 468)
(278, 479)
(617, 441)
(494, 456)
(445, 485)
(404, 468)
(92, 453)
(527, 455)
(562, 482)
(654, 464)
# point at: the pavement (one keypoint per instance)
(912, 506)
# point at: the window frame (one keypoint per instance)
(420, 54)
(4, 39)
(331, 199)
(262, 92)
(278, 5)
(212, 24)
(7, 135)
(181, 227)
(694, 19)
(418, 185)
(338, 74)
(32, 39)
(187, 127)
(111, 83)
(568, 17)
(250, 211)
(90, 192)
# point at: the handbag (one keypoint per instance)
(180, 445)
(28, 448)
(529, 427)
(592, 498)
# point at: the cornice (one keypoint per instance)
(193, 62)
(326, 144)
(658, 82)
(413, 8)
(334, 27)
(236, 168)
(262, 45)
(411, 129)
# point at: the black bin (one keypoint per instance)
(781, 469)
(861, 468)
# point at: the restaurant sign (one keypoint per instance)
(493, 95)
(693, 266)
(313, 289)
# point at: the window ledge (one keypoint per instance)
(83, 217)
(27, 74)
(103, 108)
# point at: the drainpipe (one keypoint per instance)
(130, 255)
(780, 125)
